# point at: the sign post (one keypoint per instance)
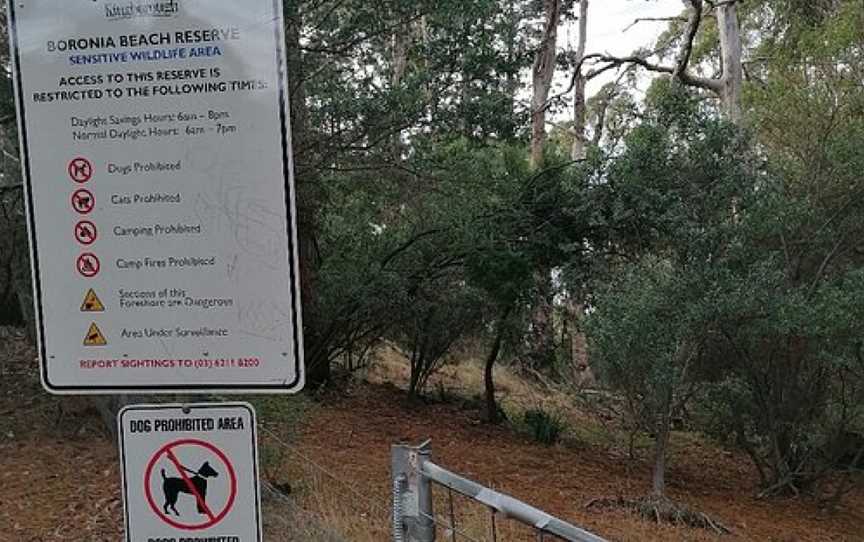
(190, 472)
(157, 163)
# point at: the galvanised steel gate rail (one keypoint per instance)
(413, 515)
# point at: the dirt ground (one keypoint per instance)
(59, 473)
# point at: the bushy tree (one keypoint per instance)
(787, 319)
(645, 343)
(675, 198)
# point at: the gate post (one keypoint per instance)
(412, 494)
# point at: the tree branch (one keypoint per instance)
(679, 71)
(654, 19)
(713, 85)
(693, 22)
(715, 4)
(406, 245)
(824, 265)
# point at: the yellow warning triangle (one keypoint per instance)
(95, 337)
(92, 303)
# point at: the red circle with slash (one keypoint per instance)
(83, 201)
(80, 170)
(88, 265)
(167, 451)
(86, 233)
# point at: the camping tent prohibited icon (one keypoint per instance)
(190, 484)
(86, 233)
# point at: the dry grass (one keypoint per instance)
(587, 424)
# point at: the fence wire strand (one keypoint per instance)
(298, 510)
(365, 500)
(323, 470)
(452, 515)
(443, 525)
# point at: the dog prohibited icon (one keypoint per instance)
(83, 201)
(88, 265)
(190, 484)
(80, 170)
(85, 232)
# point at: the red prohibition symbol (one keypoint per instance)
(80, 170)
(86, 233)
(83, 201)
(88, 265)
(176, 478)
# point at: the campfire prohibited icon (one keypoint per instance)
(88, 265)
(80, 170)
(189, 498)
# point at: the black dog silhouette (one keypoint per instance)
(173, 487)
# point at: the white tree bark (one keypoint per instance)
(542, 72)
(730, 53)
(577, 151)
(728, 86)
(400, 43)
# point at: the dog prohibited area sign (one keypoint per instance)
(157, 165)
(190, 473)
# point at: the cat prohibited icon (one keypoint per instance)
(190, 472)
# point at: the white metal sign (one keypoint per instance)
(190, 473)
(160, 198)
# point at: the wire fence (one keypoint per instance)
(368, 516)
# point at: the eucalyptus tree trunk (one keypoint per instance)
(661, 445)
(730, 53)
(541, 356)
(512, 82)
(658, 475)
(542, 339)
(308, 201)
(542, 72)
(400, 42)
(577, 152)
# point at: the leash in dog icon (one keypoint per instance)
(195, 486)
(213, 486)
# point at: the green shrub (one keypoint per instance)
(546, 428)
